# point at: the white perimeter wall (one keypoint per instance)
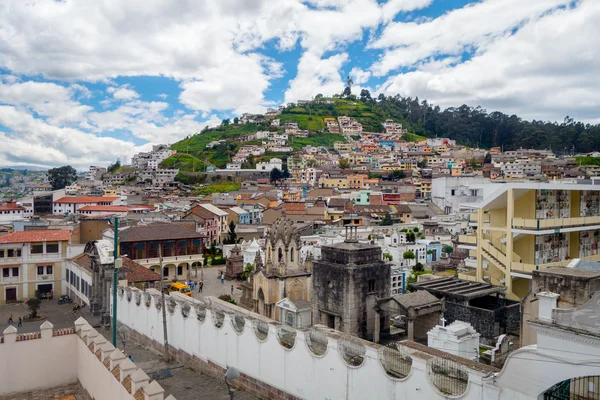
(296, 371)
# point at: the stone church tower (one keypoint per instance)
(234, 265)
(284, 274)
(347, 280)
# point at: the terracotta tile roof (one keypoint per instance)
(157, 231)
(85, 199)
(105, 208)
(137, 272)
(83, 260)
(46, 235)
(10, 206)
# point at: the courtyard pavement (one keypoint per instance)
(184, 383)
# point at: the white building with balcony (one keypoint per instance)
(32, 261)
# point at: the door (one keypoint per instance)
(45, 288)
(11, 295)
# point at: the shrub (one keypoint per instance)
(218, 261)
(34, 305)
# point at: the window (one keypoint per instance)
(452, 192)
(51, 247)
(166, 271)
(2, 253)
(40, 270)
(37, 248)
(15, 272)
(179, 270)
(13, 253)
(289, 319)
(49, 270)
(6, 272)
(371, 285)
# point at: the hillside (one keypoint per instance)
(194, 156)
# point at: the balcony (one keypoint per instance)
(191, 258)
(553, 223)
(467, 239)
(529, 268)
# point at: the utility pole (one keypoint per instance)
(164, 309)
(116, 266)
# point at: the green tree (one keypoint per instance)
(447, 249)
(114, 166)
(62, 176)
(408, 255)
(225, 122)
(318, 96)
(231, 235)
(247, 271)
(488, 158)
(386, 220)
(418, 267)
(236, 120)
(422, 163)
(285, 173)
(397, 174)
(410, 237)
(343, 163)
(365, 95)
(275, 175)
(34, 305)
(388, 257)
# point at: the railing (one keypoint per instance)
(487, 246)
(467, 239)
(166, 260)
(523, 267)
(551, 223)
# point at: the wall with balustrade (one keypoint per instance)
(277, 361)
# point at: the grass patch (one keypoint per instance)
(310, 122)
(317, 139)
(218, 187)
(185, 162)
(587, 160)
(412, 137)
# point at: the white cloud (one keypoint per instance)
(359, 76)
(546, 70)
(163, 96)
(123, 92)
(474, 25)
(317, 75)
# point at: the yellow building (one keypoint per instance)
(340, 182)
(32, 261)
(523, 227)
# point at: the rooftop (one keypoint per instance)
(45, 235)
(85, 199)
(457, 288)
(10, 206)
(157, 231)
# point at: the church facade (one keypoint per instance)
(284, 274)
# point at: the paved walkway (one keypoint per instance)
(213, 285)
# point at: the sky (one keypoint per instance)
(88, 81)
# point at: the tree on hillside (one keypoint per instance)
(275, 175)
(115, 166)
(62, 176)
(488, 158)
(225, 122)
(365, 95)
(236, 120)
(386, 220)
(397, 174)
(422, 163)
(319, 96)
(343, 163)
(285, 173)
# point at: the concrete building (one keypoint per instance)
(523, 227)
(72, 204)
(32, 261)
(12, 212)
(448, 193)
(347, 280)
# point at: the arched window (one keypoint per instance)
(292, 254)
(279, 255)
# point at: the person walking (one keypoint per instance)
(231, 290)
(10, 319)
(200, 286)
(20, 323)
(222, 279)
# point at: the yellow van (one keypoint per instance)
(179, 287)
